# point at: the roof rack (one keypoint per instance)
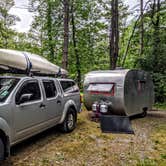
(4, 69)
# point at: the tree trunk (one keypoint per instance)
(129, 42)
(141, 29)
(5, 35)
(131, 36)
(49, 26)
(78, 64)
(114, 35)
(156, 37)
(66, 34)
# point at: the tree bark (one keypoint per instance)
(156, 37)
(114, 34)
(49, 31)
(78, 64)
(66, 34)
(141, 29)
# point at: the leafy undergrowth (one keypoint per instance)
(160, 106)
(87, 146)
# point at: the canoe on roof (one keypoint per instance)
(20, 62)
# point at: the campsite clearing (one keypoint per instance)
(87, 146)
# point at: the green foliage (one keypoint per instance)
(46, 28)
(153, 58)
(160, 106)
(159, 80)
(6, 21)
(92, 23)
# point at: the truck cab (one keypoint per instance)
(30, 105)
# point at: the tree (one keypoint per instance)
(7, 20)
(114, 35)
(47, 27)
(153, 58)
(78, 64)
(66, 34)
(141, 28)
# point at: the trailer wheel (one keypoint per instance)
(69, 123)
(144, 113)
(2, 150)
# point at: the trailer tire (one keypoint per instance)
(143, 114)
(2, 150)
(69, 123)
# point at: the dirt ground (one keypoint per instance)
(87, 146)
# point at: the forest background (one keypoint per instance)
(86, 35)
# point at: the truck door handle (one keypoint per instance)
(42, 105)
(58, 102)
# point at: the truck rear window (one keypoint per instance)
(69, 86)
(6, 87)
(50, 88)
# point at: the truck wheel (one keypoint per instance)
(69, 123)
(2, 150)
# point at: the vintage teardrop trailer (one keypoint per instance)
(119, 92)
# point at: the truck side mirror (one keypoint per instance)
(24, 98)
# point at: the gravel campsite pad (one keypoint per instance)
(87, 146)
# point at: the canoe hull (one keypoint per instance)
(18, 61)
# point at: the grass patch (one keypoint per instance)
(159, 139)
(147, 162)
(87, 145)
(160, 106)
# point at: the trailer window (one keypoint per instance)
(6, 87)
(141, 85)
(101, 88)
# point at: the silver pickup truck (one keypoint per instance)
(30, 105)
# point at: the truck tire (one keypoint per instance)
(69, 123)
(2, 150)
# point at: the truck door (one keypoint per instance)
(53, 101)
(29, 111)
